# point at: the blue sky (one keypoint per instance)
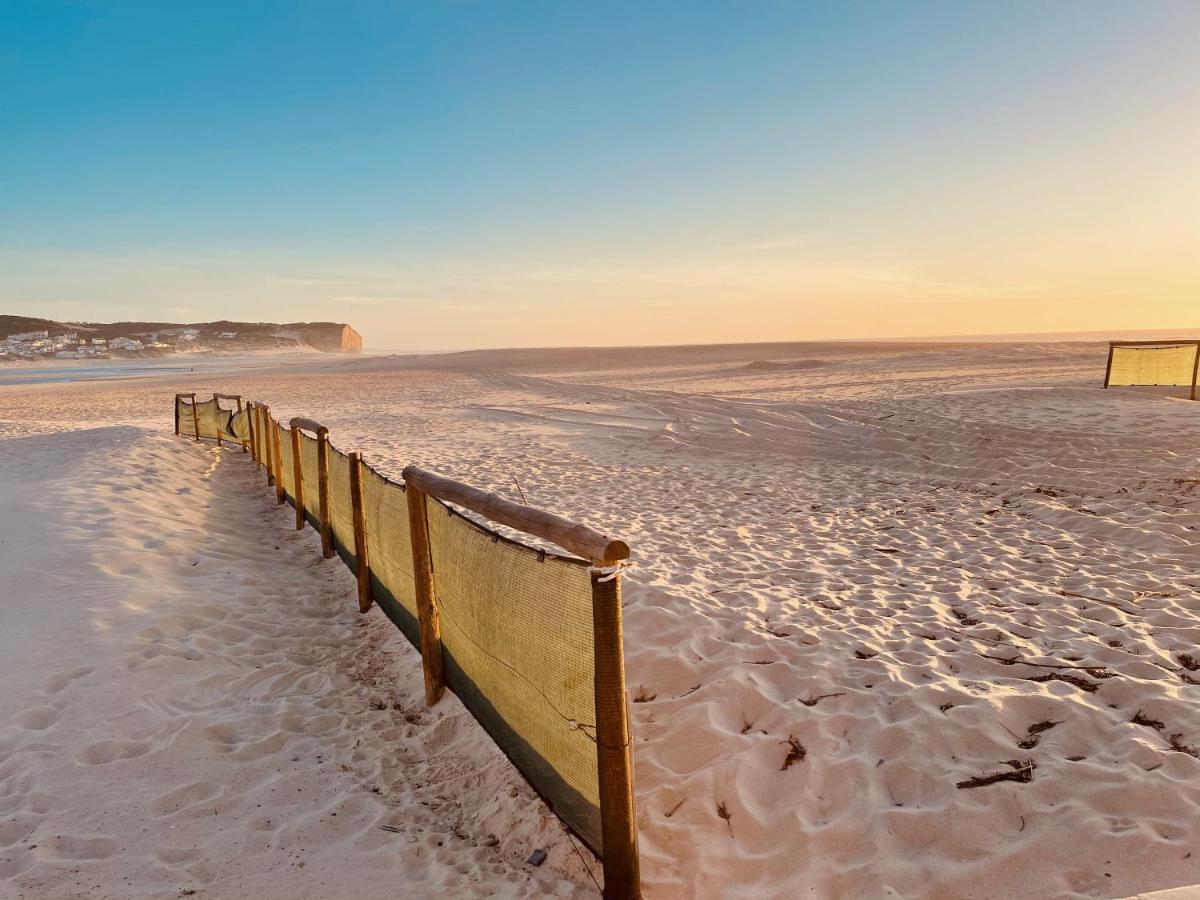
(499, 174)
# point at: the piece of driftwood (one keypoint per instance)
(1022, 772)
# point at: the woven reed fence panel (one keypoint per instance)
(389, 545)
(310, 472)
(230, 425)
(341, 507)
(285, 462)
(517, 644)
(1153, 365)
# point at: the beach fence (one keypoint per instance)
(528, 638)
(1153, 363)
(208, 419)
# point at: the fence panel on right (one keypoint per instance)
(518, 650)
(1168, 365)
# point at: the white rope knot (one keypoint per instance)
(608, 573)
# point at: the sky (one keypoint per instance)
(458, 175)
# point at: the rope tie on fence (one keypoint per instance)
(608, 573)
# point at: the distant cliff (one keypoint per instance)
(328, 337)
(22, 337)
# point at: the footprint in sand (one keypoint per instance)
(174, 856)
(39, 718)
(16, 830)
(225, 740)
(101, 752)
(56, 683)
(65, 846)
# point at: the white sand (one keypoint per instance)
(846, 555)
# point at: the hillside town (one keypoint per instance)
(32, 345)
(24, 339)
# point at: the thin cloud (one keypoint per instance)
(770, 245)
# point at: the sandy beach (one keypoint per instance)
(905, 620)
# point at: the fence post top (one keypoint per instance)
(600, 549)
(309, 425)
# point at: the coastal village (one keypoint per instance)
(24, 339)
(70, 345)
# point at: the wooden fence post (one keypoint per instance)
(618, 818)
(252, 427)
(269, 434)
(265, 454)
(323, 492)
(297, 478)
(1108, 366)
(273, 428)
(263, 439)
(427, 613)
(239, 403)
(217, 404)
(176, 415)
(195, 418)
(1195, 372)
(361, 558)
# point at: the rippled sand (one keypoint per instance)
(870, 581)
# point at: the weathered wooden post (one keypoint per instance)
(362, 560)
(252, 428)
(297, 478)
(239, 403)
(618, 817)
(427, 613)
(1108, 365)
(323, 492)
(1195, 372)
(217, 404)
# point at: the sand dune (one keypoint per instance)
(191, 702)
(920, 622)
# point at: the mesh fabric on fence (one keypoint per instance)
(385, 510)
(309, 472)
(230, 425)
(1166, 365)
(285, 461)
(341, 508)
(518, 651)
